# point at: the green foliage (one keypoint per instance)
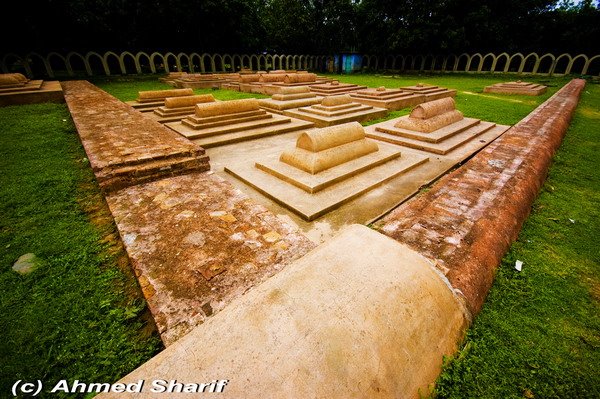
(537, 335)
(305, 26)
(79, 316)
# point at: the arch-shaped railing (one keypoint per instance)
(109, 63)
(527, 64)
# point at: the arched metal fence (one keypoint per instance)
(110, 63)
(532, 63)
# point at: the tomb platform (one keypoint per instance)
(335, 88)
(434, 127)
(150, 100)
(335, 110)
(232, 85)
(123, 146)
(288, 98)
(171, 78)
(202, 81)
(518, 87)
(430, 92)
(177, 108)
(391, 99)
(16, 89)
(226, 122)
(294, 80)
(250, 83)
(327, 168)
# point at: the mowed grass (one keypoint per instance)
(126, 88)
(81, 314)
(538, 335)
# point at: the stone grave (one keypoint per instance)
(249, 83)
(293, 80)
(204, 81)
(335, 110)
(172, 77)
(288, 98)
(177, 108)
(392, 99)
(327, 168)
(430, 92)
(518, 87)
(335, 88)
(434, 127)
(226, 122)
(150, 100)
(17, 89)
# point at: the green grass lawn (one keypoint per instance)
(82, 316)
(538, 335)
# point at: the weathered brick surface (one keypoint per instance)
(123, 146)
(196, 243)
(469, 219)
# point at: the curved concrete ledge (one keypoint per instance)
(359, 316)
(469, 219)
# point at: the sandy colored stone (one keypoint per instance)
(272, 77)
(315, 162)
(8, 80)
(321, 139)
(431, 124)
(293, 89)
(255, 77)
(433, 108)
(153, 95)
(290, 97)
(226, 107)
(336, 100)
(300, 78)
(320, 149)
(518, 87)
(188, 101)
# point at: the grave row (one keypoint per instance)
(332, 148)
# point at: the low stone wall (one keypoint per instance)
(469, 219)
(123, 146)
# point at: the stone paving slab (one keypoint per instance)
(469, 219)
(196, 243)
(125, 147)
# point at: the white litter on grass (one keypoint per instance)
(572, 221)
(518, 265)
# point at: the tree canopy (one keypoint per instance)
(304, 26)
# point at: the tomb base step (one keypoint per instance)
(252, 133)
(441, 148)
(273, 123)
(433, 137)
(324, 121)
